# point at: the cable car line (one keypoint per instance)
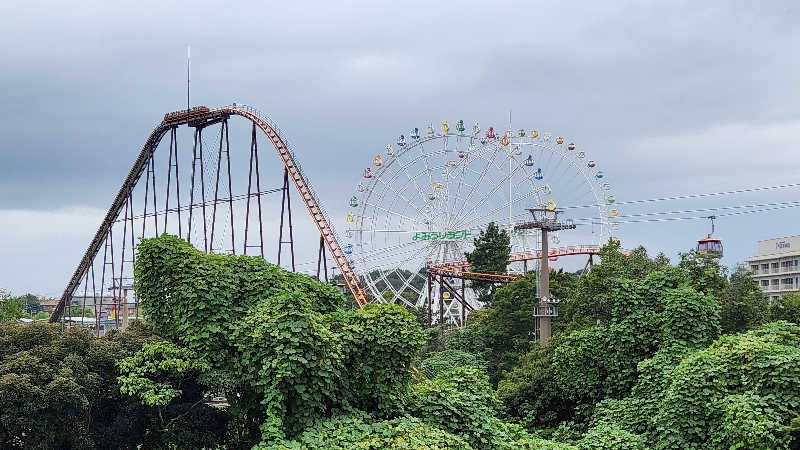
(691, 196)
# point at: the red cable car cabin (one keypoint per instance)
(710, 245)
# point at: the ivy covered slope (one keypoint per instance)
(654, 368)
(282, 348)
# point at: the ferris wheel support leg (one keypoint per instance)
(463, 305)
(441, 302)
(430, 301)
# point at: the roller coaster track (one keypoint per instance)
(459, 268)
(197, 117)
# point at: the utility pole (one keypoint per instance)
(545, 220)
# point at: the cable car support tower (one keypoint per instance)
(545, 220)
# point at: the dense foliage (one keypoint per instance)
(644, 355)
(58, 389)
(295, 356)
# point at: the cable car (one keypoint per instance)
(529, 161)
(377, 161)
(446, 126)
(430, 130)
(476, 129)
(415, 133)
(581, 155)
(367, 173)
(490, 133)
(591, 164)
(551, 205)
(353, 201)
(401, 141)
(389, 150)
(350, 217)
(460, 126)
(534, 134)
(538, 175)
(361, 187)
(610, 199)
(571, 146)
(559, 141)
(599, 174)
(348, 249)
(710, 245)
(461, 154)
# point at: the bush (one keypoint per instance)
(441, 362)
(363, 432)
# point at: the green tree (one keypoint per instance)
(705, 272)
(78, 311)
(11, 308)
(787, 308)
(744, 305)
(589, 303)
(490, 255)
(33, 304)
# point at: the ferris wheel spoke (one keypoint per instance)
(411, 219)
(478, 182)
(397, 194)
(427, 167)
(407, 282)
(499, 185)
(479, 219)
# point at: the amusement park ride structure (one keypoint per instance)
(422, 201)
(464, 174)
(199, 118)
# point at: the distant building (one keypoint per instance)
(776, 266)
(49, 305)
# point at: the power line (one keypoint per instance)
(691, 196)
(736, 213)
(712, 209)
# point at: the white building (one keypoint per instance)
(775, 266)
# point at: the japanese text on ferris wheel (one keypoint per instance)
(441, 235)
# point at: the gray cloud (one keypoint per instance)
(671, 97)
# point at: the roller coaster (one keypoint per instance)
(199, 118)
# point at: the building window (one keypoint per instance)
(788, 281)
(765, 283)
(754, 268)
(765, 267)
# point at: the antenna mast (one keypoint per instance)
(188, 75)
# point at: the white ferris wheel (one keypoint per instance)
(431, 192)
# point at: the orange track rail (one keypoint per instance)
(457, 267)
(306, 194)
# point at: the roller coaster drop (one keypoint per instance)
(122, 210)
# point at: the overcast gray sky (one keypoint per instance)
(673, 97)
